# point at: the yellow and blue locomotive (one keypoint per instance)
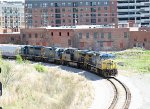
(99, 63)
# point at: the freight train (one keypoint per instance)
(99, 63)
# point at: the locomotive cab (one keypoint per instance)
(48, 54)
(58, 55)
(68, 54)
(107, 65)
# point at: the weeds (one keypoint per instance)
(19, 59)
(7, 75)
(134, 59)
(56, 89)
(40, 68)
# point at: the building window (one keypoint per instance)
(52, 4)
(69, 20)
(68, 33)
(93, 3)
(36, 35)
(113, 19)
(52, 21)
(87, 14)
(29, 35)
(41, 35)
(99, 8)
(93, 9)
(105, 8)
(63, 9)
(99, 14)
(63, 4)
(12, 39)
(105, 19)
(95, 35)
(57, 10)
(58, 21)
(121, 45)
(69, 3)
(29, 5)
(125, 35)
(105, 14)
(81, 9)
(143, 44)
(81, 3)
(63, 20)
(80, 35)
(106, 3)
(87, 20)
(93, 20)
(109, 35)
(145, 40)
(99, 3)
(59, 33)
(57, 4)
(86, 3)
(101, 44)
(102, 35)
(135, 39)
(45, 5)
(87, 35)
(51, 33)
(51, 10)
(24, 36)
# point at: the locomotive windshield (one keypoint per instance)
(107, 56)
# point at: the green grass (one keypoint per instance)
(19, 59)
(40, 68)
(137, 60)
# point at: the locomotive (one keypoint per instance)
(99, 63)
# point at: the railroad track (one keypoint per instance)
(122, 95)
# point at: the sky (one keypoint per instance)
(12, 0)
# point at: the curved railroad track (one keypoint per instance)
(122, 95)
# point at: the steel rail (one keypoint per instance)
(116, 96)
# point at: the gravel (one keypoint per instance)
(139, 85)
(103, 94)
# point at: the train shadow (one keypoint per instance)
(88, 75)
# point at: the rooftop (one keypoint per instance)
(81, 27)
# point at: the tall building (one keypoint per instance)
(12, 15)
(40, 13)
(135, 10)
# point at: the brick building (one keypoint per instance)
(10, 38)
(41, 13)
(48, 36)
(140, 39)
(83, 37)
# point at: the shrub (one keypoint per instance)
(19, 59)
(7, 75)
(0, 58)
(40, 68)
